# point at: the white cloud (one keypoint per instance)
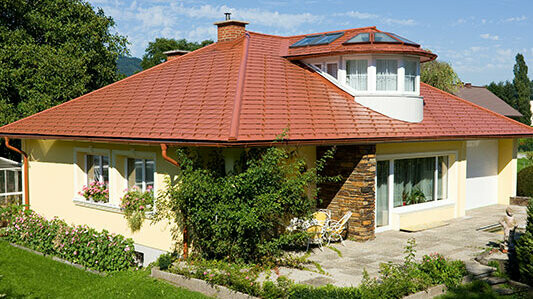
(489, 36)
(358, 15)
(404, 22)
(252, 15)
(370, 16)
(515, 19)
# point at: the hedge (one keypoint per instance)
(97, 250)
(525, 182)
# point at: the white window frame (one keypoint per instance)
(143, 173)
(133, 154)
(325, 68)
(100, 165)
(435, 203)
(79, 200)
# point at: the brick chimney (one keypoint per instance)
(230, 29)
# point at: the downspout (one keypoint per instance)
(25, 157)
(164, 148)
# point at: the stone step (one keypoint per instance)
(503, 291)
(478, 270)
(494, 280)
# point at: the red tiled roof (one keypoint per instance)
(198, 98)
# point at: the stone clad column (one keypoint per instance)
(355, 192)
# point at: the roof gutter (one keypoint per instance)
(164, 149)
(26, 185)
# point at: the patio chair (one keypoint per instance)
(336, 228)
(317, 228)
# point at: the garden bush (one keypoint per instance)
(525, 182)
(97, 250)
(524, 249)
(394, 280)
(241, 216)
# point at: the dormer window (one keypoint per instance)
(411, 70)
(357, 74)
(386, 75)
(332, 69)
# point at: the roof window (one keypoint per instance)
(360, 38)
(320, 39)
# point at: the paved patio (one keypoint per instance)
(457, 240)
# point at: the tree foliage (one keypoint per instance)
(441, 75)
(523, 90)
(240, 216)
(52, 51)
(524, 249)
(154, 52)
(517, 93)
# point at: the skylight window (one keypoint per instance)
(360, 38)
(320, 39)
(403, 39)
(381, 37)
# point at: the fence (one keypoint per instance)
(10, 182)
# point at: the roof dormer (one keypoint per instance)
(380, 69)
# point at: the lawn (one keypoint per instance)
(27, 275)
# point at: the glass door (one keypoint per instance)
(382, 194)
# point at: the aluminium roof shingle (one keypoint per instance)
(199, 98)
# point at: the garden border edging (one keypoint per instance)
(55, 258)
(198, 285)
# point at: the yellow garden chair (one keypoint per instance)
(336, 228)
(317, 229)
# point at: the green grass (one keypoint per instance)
(522, 163)
(27, 275)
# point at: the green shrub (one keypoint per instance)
(97, 250)
(164, 261)
(525, 144)
(135, 204)
(394, 280)
(525, 182)
(241, 216)
(524, 249)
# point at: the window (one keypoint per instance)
(140, 173)
(97, 169)
(356, 74)
(387, 75)
(381, 37)
(415, 181)
(318, 66)
(360, 38)
(410, 68)
(332, 69)
(382, 194)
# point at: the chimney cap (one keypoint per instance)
(176, 52)
(468, 84)
(231, 22)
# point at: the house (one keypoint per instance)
(483, 97)
(410, 154)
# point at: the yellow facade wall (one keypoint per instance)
(507, 170)
(55, 178)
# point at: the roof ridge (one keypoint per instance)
(477, 106)
(109, 85)
(237, 102)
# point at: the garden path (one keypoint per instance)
(458, 240)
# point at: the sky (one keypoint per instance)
(478, 38)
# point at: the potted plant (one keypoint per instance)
(96, 192)
(135, 204)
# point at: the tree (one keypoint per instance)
(154, 52)
(52, 51)
(441, 75)
(522, 83)
(505, 91)
(524, 249)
